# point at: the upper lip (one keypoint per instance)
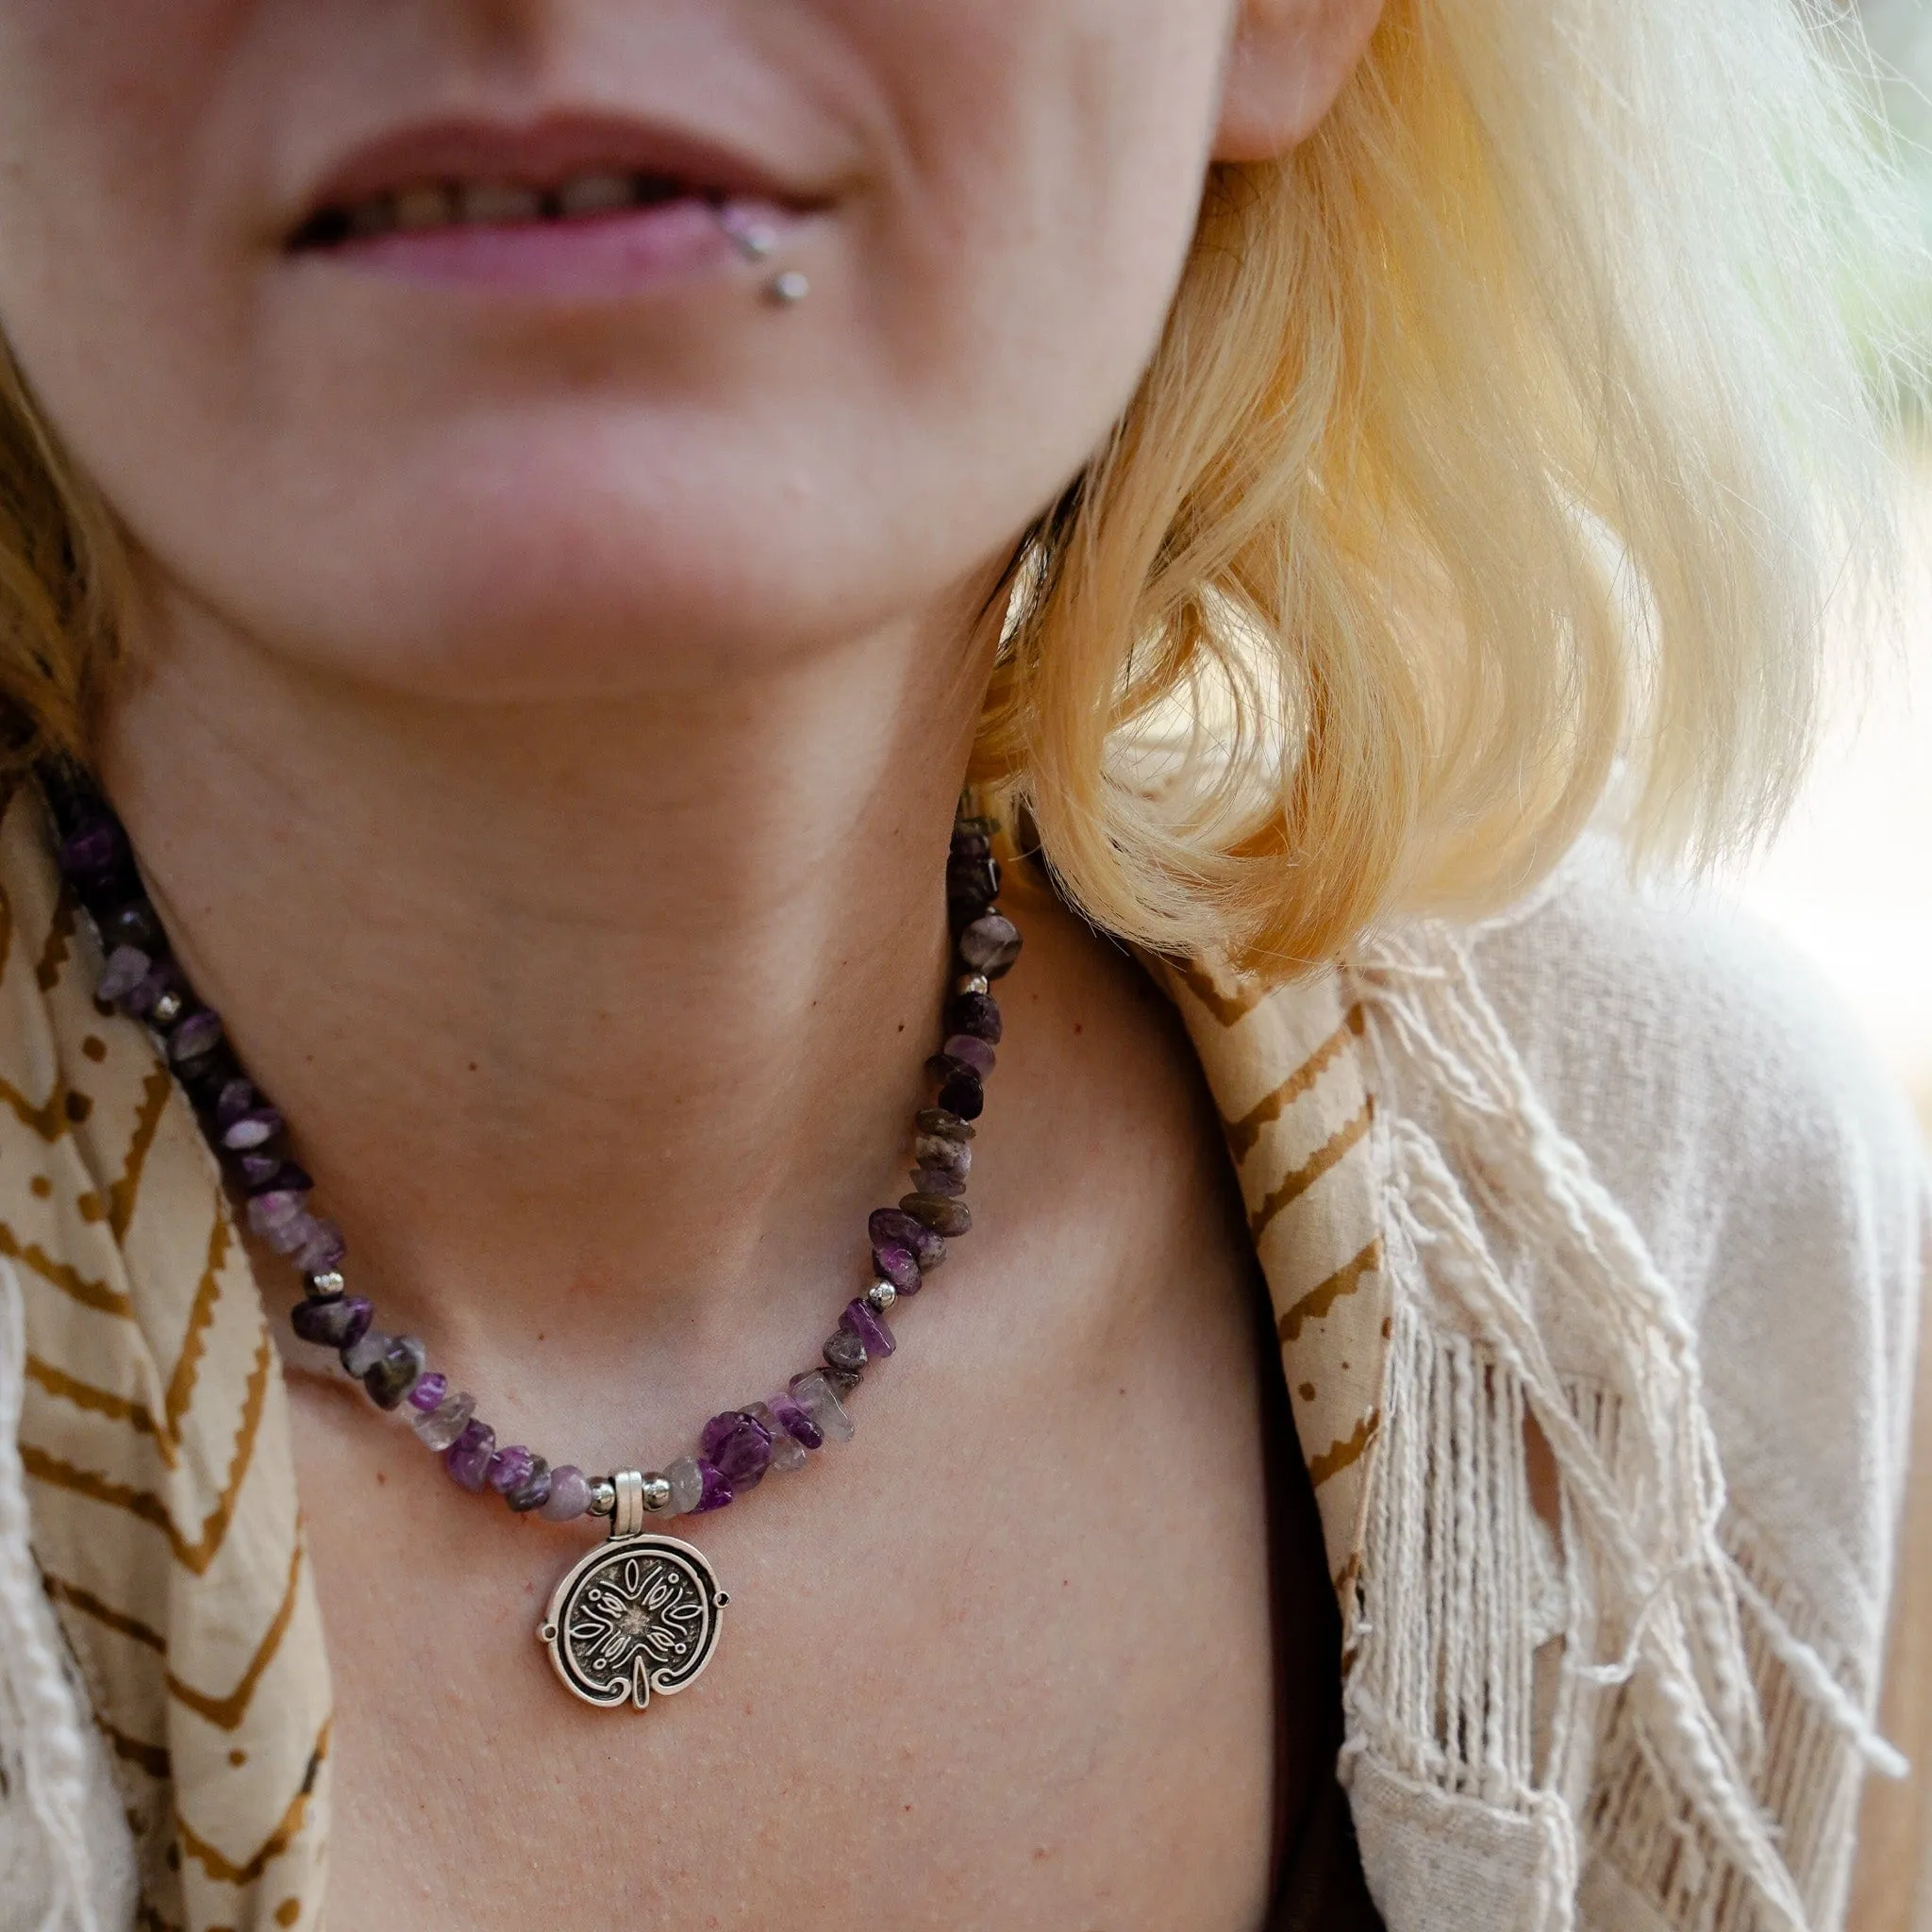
(542, 153)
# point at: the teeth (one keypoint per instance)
(438, 204)
(493, 201)
(422, 208)
(592, 194)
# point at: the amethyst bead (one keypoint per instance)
(323, 1250)
(444, 1425)
(964, 1095)
(426, 1397)
(235, 1098)
(897, 1265)
(279, 1175)
(741, 1447)
(268, 1211)
(893, 1227)
(977, 1013)
(787, 1452)
(716, 1493)
(360, 1355)
(948, 1156)
(142, 1000)
(258, 1170)
(687, 1482)
(844, 1354)
(970, 1051)
(135, 924)
(865, 1322)
(990, 945)
(508, 1467)
(813, 1392)
(947, 1125)
(468, 1457)
(92, 852)
(199, 1033)
(796, 1424)
(292, 1236)
(936, 1181)
(126, 967)
(333, 1323)
(570, 1494)
(251, 1130)
(945, 1217)
(533, 1493)
(396, 1373)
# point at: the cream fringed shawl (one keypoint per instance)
(1658, 1230)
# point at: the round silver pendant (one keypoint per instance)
(636, 1615)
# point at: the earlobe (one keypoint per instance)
(1289, 61)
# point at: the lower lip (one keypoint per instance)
(594, 257)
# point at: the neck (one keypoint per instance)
(615, 1004)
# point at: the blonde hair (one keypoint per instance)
(1507, 428)
(1508, 433)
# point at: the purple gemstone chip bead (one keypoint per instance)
(977, 1013)
(951, 1217)
(895, 1227)
(267, 1212)
(426, 1397)
(533, 1491)
(93, 851)
(862, 1319)
(814, 1393)
(292, 1236)
(393, 1376)
(796, 1423)
(126, 967)
(970, 1050)
(570, 1494)
(235, 1098)
(937, 1181)
(360, 1355)
(964, 1095)
(990, 945)
(251, 1130)
(334, 1322)
(444, 1425)
(896, 1264)
(323, 1250)
(787, 1452)
(469, 1457)
(717, 1492)
(739, 1445)
(199, 1033)
(510, 1468)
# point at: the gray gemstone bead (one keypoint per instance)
(687, 1485)
(570, 1494)
(360, 1356)
(787, 1452)
(813, 1392)
(990, 944)
(845, 1353)
(937, 1181)
(949, 1156)
(948, 1218)
(396, 1373)
(446, 1420)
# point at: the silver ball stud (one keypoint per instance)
(656, 1496)
(323, 1286)
(790, 289)
(880, 1296)
(603, 1496)
(972, 982)
(166, 1009)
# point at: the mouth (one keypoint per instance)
(570, 207)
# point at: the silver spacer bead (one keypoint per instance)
(789, 290)
(603, 1496)
(166, 1009)
(880, 1296)
(656, 1496)
(972, 982)
(323, 1286)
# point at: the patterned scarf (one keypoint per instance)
(155, 1429)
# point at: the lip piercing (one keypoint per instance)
(757, 243)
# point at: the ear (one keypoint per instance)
(1287, 63)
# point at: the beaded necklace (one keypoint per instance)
(639, 1614)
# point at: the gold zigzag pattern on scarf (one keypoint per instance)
(1325, 1294)
(101, 1402)
(210, 1858)
(1297, 1183)
(67, 1278)
(194, 1553)
(226, 1712)
(1346, 1452)
(54, 953)
(1243, 1133)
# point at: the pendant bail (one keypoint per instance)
(627, 1518)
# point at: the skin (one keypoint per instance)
(541, 732)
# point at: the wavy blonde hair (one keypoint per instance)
(1508, 428)
(1509, 432)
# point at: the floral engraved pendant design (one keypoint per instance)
(637, 1614)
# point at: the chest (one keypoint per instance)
(986, 1666)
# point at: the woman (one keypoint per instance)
(529, 516)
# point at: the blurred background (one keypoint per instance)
(1850, 882)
